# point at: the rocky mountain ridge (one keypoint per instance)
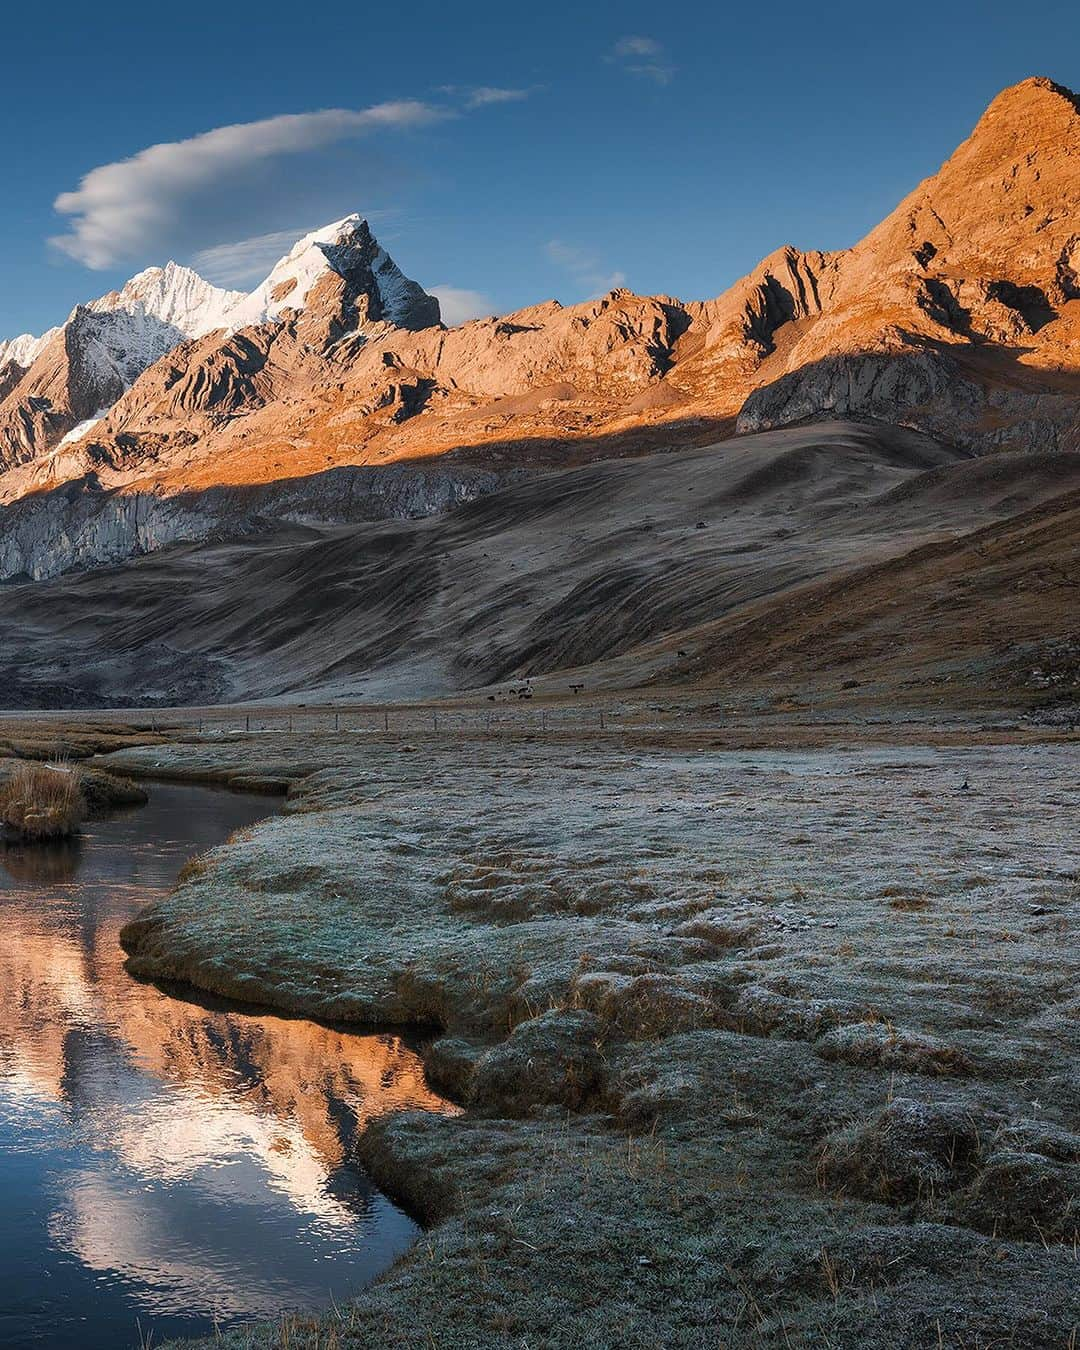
(57, 387)
(958, 316)
(68, 377)
(81, 526)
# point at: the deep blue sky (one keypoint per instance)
(669, 146)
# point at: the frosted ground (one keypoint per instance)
(757, 1047)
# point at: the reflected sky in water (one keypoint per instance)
(168, 1165)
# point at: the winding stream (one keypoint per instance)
(168, 1166)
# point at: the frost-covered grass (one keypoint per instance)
(757, 1047)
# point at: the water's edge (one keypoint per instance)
(178, 1162)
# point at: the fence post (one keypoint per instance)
(336, 724)
(601, 719)
(290, 722)
(247, 722)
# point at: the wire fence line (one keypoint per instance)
(384, 721)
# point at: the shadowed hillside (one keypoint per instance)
(595, 564)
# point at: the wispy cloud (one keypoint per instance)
(583, 267)
(121, 210)
(486, 94)
(459, 305)
(483, 95)
(248, 260)
(644, 57)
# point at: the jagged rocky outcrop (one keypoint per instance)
(929, 390)
(960, 312)
(81, 525)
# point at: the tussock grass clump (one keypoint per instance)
(882, 1045)
(42, 801)
(909, 1150)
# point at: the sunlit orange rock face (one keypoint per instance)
(978, 268)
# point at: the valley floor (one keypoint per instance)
(765, 1037)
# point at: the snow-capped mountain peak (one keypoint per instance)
(176, 298)
(292, 276)
(348, 248)
(24, 349)
(174, 294)
(119, 335)
(155, 310)
(56, 387)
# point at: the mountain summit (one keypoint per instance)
(68, 377)
(376, 287)
(174, 294)
(958, 315)
(57, 386)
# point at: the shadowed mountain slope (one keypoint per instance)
(619, 562)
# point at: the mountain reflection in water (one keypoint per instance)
(169, 1165)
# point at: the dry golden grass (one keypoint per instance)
(42, 801)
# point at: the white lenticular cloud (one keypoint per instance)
(459, 306)
(121, 209)
(246, 260)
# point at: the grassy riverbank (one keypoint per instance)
(41, 801)
(758, 1046)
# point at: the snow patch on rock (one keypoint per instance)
(79, 431)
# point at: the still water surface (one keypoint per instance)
(166, 1166)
